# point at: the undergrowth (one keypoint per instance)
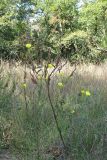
(30, 131)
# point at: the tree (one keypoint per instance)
(54, 27)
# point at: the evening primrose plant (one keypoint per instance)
(28, 45)
(50, 66)
(85, 92)
(24, 85)
(43, 76)
(60, 85)
(88, 93)
(49, 85)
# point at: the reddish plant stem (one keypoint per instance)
(54, 114)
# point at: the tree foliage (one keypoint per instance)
(58, 27)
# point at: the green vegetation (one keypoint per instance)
(58, 27)
(51, 106)
(30, 130)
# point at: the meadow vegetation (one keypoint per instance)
(30, 131)
(53, 96)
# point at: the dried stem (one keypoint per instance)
(54, 114)
(51, 103)
(25, 95)
(72, 73)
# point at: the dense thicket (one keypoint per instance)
(76, 30)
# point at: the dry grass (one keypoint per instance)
(98, 72)
(81, 130)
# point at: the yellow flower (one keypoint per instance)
(24, 85)
(60, 85)
(39, 77)
(88, 93)
(82, 91)
(50, 65)
(28, 45)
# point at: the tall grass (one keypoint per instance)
(31, 133)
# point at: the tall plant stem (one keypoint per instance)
(54, 114)
(25, 95)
